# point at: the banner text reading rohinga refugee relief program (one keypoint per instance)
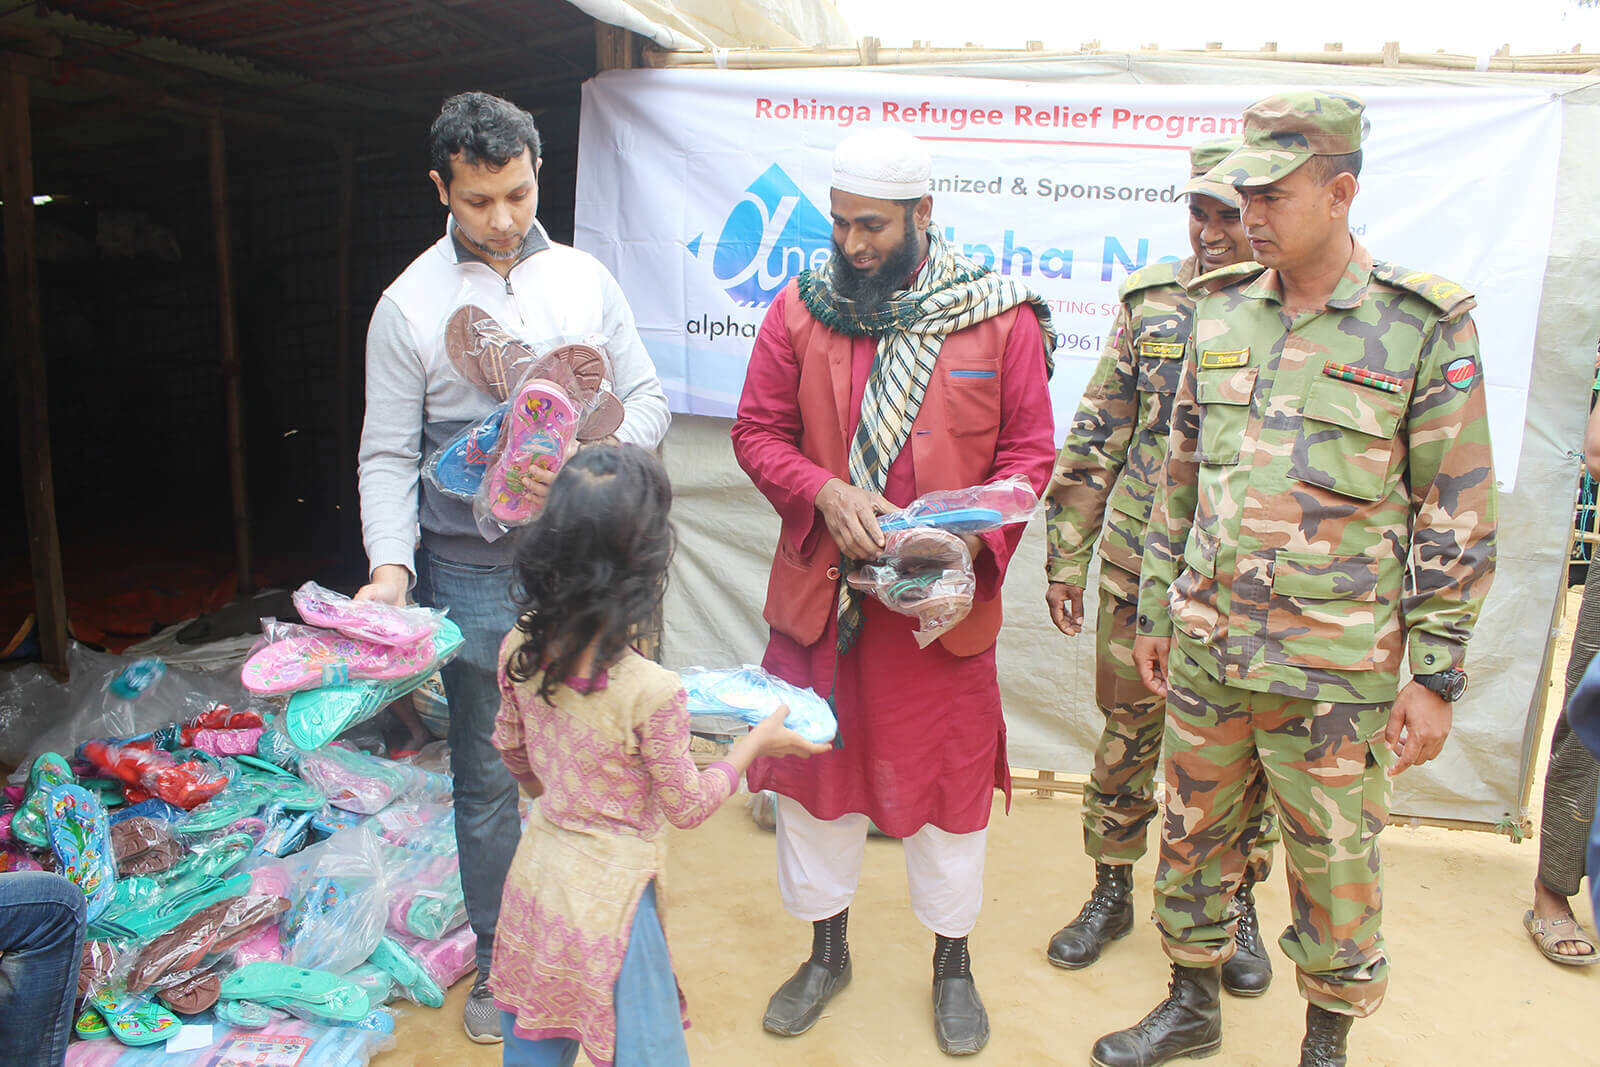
(704, 192)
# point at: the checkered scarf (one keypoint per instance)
(951, 293)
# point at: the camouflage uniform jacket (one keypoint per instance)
(1307, 524)
(1113, 456)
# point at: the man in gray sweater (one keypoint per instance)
(494, 255)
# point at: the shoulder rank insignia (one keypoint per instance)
(1156, 274)
(1214, 360)
(1442, 293)
(1361, 376)
(1161, 349)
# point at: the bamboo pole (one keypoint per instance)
(788, 58)
(233, 404)
(27, 344)
(349, 520)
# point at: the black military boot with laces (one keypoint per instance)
(1248, 972)
(1325, 1036)
(1107, 916)
(1187, 1023)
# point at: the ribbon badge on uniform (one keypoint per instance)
(1214, 360)
(1361, 376)
(1161, 349)
(1461, 372)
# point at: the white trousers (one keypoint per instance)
(819, 866)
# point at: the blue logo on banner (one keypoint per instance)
(772, 234)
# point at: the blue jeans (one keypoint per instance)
(479, 600)
(649, 1017)
(41, 948)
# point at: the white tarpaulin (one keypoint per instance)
(704, 191)
(706, 25)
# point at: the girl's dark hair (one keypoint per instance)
(593, 566)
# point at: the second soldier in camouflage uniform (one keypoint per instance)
(1106, 475)
(1327, 512)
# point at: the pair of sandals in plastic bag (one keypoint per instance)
(563, 396)
(59, 814)
(374, 654)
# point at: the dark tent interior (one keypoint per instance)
(297, 129)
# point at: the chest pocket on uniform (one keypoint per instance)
(1224, 398)
(971, 395)
(1160, 362)
(1346, 440)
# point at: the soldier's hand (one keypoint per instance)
(1066, 607)
(1419, 723)
(1150, 656)
(851, 515)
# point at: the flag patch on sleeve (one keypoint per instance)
(1461, 372)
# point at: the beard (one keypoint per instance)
(485, 251)
(868, 291)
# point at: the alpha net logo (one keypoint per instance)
(772, 234)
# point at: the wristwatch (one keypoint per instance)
(1449, 684)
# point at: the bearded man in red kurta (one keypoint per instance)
(900, 368)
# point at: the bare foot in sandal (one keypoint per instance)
(1555, 930)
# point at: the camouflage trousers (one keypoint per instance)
(1326, 768)
(1119, 799)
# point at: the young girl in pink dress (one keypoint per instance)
(599, 735)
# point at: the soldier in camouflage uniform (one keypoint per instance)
(1327, 512)
(1111, 460)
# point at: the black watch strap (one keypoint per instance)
(1450, 684)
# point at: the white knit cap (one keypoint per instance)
(885, 164)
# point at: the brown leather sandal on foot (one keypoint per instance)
(1548, 933)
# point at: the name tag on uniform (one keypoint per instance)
(1161, 349)
(1213, 360)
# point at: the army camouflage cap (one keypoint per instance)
(1281, 132)
(1204, 156)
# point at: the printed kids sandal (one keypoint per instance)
(80, 836)
(364, 620)
(330, 659)
(459, 465)
(134, 1020)
(542, 422)
(28, 825)
(91, 1025)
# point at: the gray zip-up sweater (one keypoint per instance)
(416, 400)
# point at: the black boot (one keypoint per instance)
(1187, 1023)
(1325, 1035)
(1248, 971)
(960, 1023)
(798, 1003)
(1107, 916)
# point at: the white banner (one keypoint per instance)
(705, 191)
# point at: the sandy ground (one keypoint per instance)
(1467, 986)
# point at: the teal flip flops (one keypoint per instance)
(280, 985)
(407, 972)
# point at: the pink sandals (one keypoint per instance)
(542, 422)
(309, 661)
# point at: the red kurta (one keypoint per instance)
(923, 739)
